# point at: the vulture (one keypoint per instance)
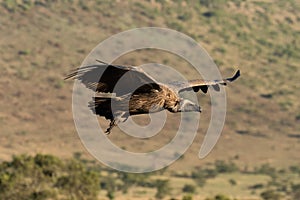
(140, 93)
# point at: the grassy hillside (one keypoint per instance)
(41, 41)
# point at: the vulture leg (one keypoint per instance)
(111, 125)
(119, 118)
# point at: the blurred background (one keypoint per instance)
(257, 155)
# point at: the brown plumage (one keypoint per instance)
(138, 92)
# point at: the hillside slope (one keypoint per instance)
(41, 41)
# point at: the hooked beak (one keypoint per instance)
(189, 106)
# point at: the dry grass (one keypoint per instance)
(42, 42)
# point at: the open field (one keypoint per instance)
(41, 41)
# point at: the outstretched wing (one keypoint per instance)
(105, 77)
(202, 85)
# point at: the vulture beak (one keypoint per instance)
(189, 106)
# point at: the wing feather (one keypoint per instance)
(203, 85)
(104, 77)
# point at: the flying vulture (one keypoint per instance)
(140, 93)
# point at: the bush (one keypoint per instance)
(270, 195)
(200, 175)
(232, 182)
(82, 184)
(267, 170)
(219, 197)
(187, 197)
(296, 191)
(131, 179)
(189, 188)
(295, 169)
(110, 195)
(185, 16)
(223, 167)
(108, 183)
(163, 188)
(256, 186)
(215, 4)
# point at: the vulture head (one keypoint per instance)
(182, 105)
(188, 106)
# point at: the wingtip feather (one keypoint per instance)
(100, 61)
(235, 76)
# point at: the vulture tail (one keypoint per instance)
(101, 106)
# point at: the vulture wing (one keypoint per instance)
(104, 77)
(202, 85)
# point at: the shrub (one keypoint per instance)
(82, 184)
(187, 197)
(270, 195)
(200, 175)
(256, 186)
(232, 182)
(212, 3)
(163, 188)
(267, 170)
(219, 197)
(185, 16)
(296, 191)
(110, 195)
(108, 183)
(295, 169)
(223, 167)
(131, 179)
(189, 188)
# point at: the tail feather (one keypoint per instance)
(101, 106)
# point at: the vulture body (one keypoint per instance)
(138, 92)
